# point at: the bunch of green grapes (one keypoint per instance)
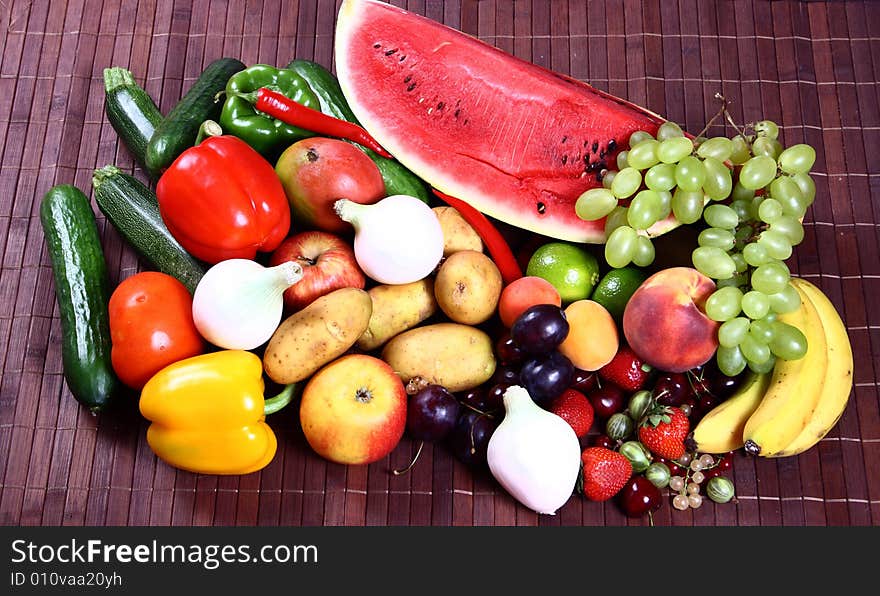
(751, 217)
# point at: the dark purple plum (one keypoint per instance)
(546, 377)
(540, 328)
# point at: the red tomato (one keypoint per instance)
(151, 326)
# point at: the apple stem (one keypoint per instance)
(402, 471)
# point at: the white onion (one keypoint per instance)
(238, 303)
(398, 240)
(534, 454)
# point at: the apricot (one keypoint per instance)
(525, 292)
(665, 321)
(592, 339)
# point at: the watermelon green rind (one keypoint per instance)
(518, 142)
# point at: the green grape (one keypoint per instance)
(755, 254)
(741, 193)
(788, 342)
(742, 235)
(724, 304)
(620, 247)
(621, 160)
(639, 136)
(644, 252)
(762, 330)
(732, 331)
(690, 173)
(644, 209)
(643, 155)
(767, 146)
(740, 262)
(741, 150)
(807, 186)
(675, 149)
(755, 304)
(719, 182)
(769, 210)
(763, 367)
(794, 207)
(767, 128)
(615, 219)
(660, 177)
(719, 148)
(595, 204)
(785, 301)
(758, 172)
(668, 130)
(738, 280)
(717, 237)
(627, 181)
(797, 159)
(777, 245)
(754, 351)
(784, 189)
(721, 216)
(789, 227)
(770, 278)
(687, 206)
(743, 209)
(608, 178)
(713, 262)
(665, 203)
(730, 360)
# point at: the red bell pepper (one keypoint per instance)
(221, 200)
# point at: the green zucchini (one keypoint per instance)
(179, 129)
(133, 210)
(132, 113)
(398, 179)
(82, 289)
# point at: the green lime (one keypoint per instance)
(571, 269)
(615, 289)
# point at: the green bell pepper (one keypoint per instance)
(262, 132)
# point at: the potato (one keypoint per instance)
(458, 357)
(319, 333)
(457, 233)
(468, 286)
(397, 308)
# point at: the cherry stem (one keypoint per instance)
(402, 471)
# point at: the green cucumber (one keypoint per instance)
(179, 129)
(133, 210)
(132, 113)
(82, 289)
(398, 179)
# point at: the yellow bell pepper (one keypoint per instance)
(208, 413)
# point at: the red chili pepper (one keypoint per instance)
(222, 200)
(285, 109)
(492, 238)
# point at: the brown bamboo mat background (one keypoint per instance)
(812, 67)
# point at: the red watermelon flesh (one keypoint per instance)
(518, 142)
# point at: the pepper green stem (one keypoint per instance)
(276, 403)
(209, 128)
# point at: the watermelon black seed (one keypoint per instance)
(564, 159)
(595, 146)
(377, 45)
(411, 87)
(564, 138)
(407, 79)
(456, 113)
(403, 57)
(541, 207)
(612, 145)
(391, 51)
(440, 106)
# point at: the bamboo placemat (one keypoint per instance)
(813, 67)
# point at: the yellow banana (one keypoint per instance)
(838, 382)
(795, 387)
(721, 430)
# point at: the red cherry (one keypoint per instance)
(603, 441)
(495, 396)
(584, 381)
(672, 389)
(607, 400)
(639, 496)
(508, 352)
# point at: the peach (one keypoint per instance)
(665, 321)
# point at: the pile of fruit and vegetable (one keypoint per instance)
(453, 245)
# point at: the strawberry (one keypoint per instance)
(574, 407)
(664, 431)
(604, 473)
(626, 370)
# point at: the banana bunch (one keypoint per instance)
(788, 410)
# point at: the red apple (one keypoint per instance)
(353, 411)
(328, 264)
(665, 322)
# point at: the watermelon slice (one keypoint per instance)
(518, 142)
